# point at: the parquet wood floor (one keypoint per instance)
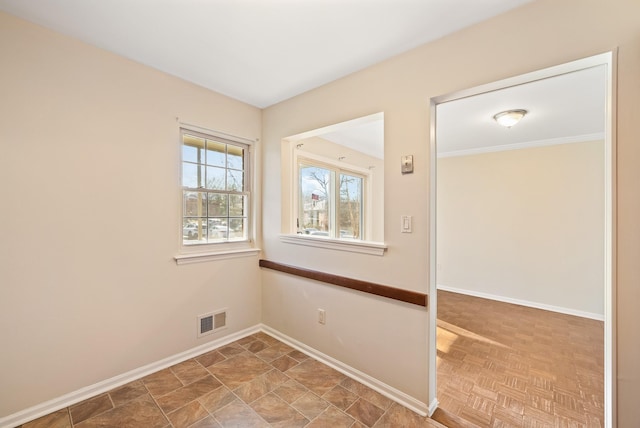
(504, 365)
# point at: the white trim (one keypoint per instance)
(187, 258)
(353, 246)
(527, 303)
(526, 145)
(378, 386)
(87, 392)
(216, 133)
(522, 79)
(191, 253)
(433, 406)
(337, 126)
(432, 360)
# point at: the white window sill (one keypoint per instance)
(353, 246)
(207, 256)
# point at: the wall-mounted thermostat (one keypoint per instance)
(407, 164)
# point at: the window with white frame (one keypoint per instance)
(331, 200)
(215, 189)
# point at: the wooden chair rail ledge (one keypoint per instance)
(400, 294)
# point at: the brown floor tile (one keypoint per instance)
(332, 417)
(238, 414)
(187, 415)
(231, 350)
(399, 416)
(127, 392)
(256, 388)
(310, 405)
(237, 370)
(298, 356)
(134, 414)
(245, 341)
(59, 419)
(278, 412)
(208, 422)
(217, 399)
(274, 351)
(264, 337)
(340, 397)
(284, 363)
(367, 393)
(176, 399)
(271, 353)
(316, 376)
(89, 408)
(290, 391)
(189, 371)
(256, 346)
(276, 377)
(161, 383)
(365, 412)
(210, 358)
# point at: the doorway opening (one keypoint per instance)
(545, 254)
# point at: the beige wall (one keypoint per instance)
(526, 225)
(90, 185)
(544, 33)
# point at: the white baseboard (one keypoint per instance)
(85, 393)
(381, 387)
(433, 406)
(536, 305)
(82, 394)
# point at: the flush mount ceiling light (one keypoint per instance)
(510, 117)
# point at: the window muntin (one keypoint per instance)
(330, 200)
(215, 189)
(350, 217)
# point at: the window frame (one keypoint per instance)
(339, 167)
(189, 253)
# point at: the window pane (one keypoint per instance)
(235, 157)
(215, 178)
(215, 153)
(218, 205)
(218, 231)
(194, 204)
(314, 205)
(194, 230)
(192, 149)
(236, 205)
(235, 180)
(350, 218)
(192, 175)
(237, 228)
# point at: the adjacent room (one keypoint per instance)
(521, 239)
(187, 240)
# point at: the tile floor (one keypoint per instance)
(256, 381)
(503, 365)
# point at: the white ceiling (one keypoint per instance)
(565, 108)
(264, 51)
(367, 138)
(257, 51)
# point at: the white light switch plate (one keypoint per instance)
(405, 224)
